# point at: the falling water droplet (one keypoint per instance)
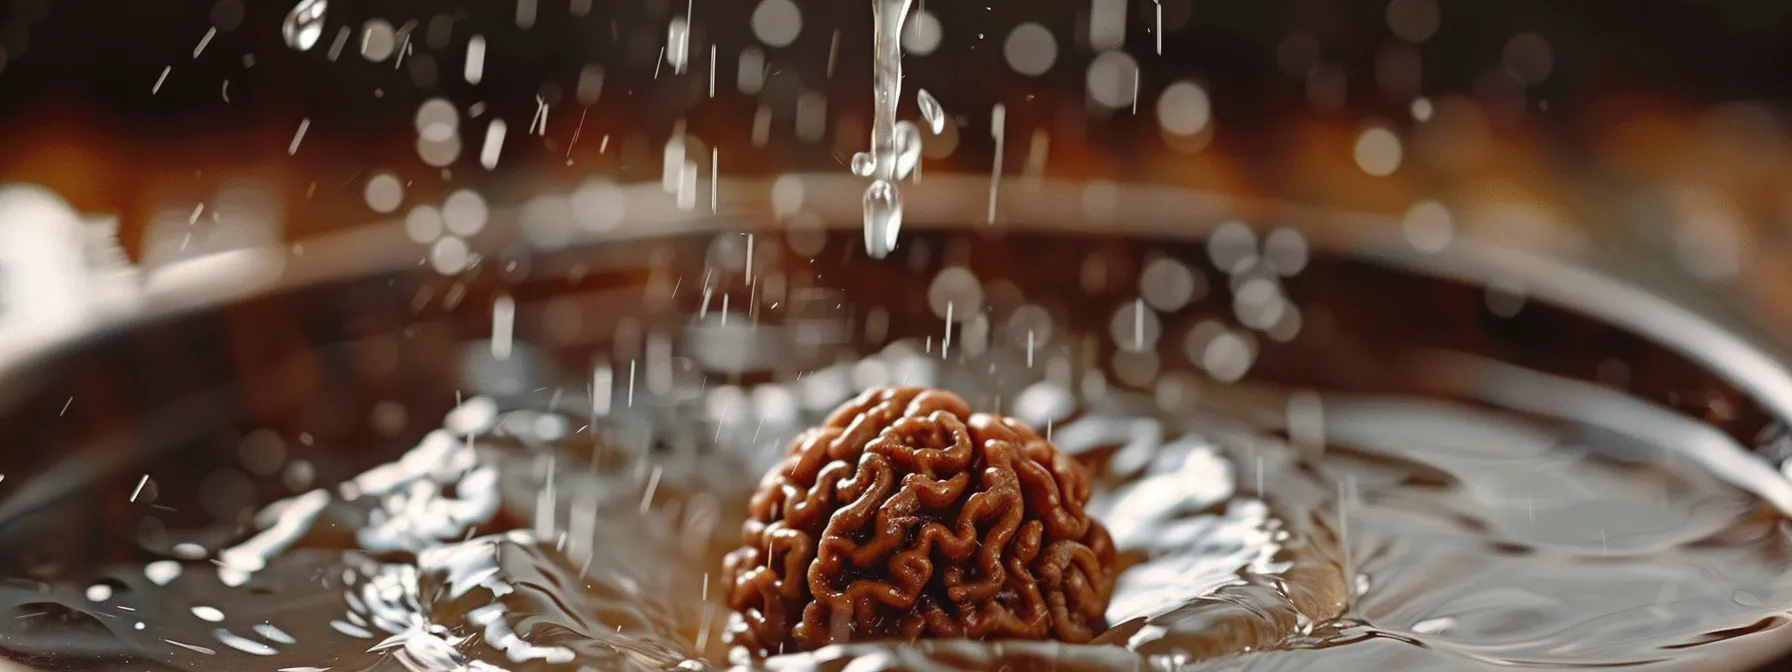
(863, 164)
(678, 44)
(883, 218)
(931, 111)
(908, 148)
(304, 24)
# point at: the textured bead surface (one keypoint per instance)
(905, 516)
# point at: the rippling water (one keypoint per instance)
(1501, 518)
(1471, 535)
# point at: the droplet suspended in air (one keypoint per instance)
(931, 111)
(777, 22)
(863, 164)
(304, 24)
(1030, 49)
(378, 40)
(883, 218)
(678, 44)
(1378, 151)
(921, 34)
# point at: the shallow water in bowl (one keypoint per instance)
(570, 515)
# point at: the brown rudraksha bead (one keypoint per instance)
(907, 516)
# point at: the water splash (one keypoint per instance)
(304, 24)
(889, 142)
(931, 111)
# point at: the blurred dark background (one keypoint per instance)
(85, 106)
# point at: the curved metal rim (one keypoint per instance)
(1733, 351)
(1038, 205)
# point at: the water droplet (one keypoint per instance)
(274, 633)
(423, 224)
(921, 35)
(931, 111)
(1378, 151)
(863, 164)
(908, 148)
(1030, 49)
(383, 193)
(304, 24)
(678, 44)
(883, 218)
(955, 294)
(465, 212)
(449, 255)
(161, 572)
(378, 40)
(777, 22)
(99, 592)
(242, 643)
